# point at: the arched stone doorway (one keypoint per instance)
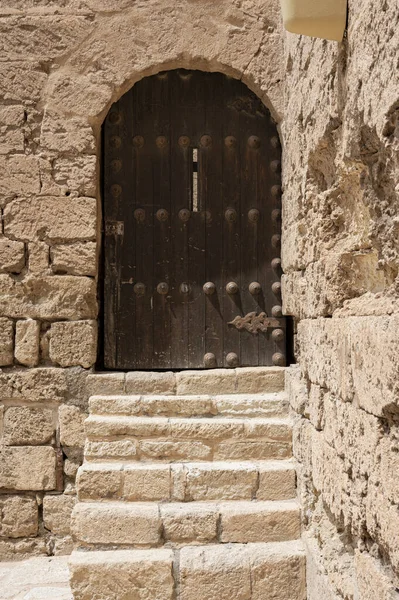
(192, 211)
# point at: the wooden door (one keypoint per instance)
(191, 187)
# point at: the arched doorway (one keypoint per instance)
(191, 189)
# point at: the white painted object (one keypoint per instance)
(317, 18)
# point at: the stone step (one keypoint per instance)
(222, 405)
(151, 524)
(177, 439)
(246, 380)
(187, 482)
(224, 571)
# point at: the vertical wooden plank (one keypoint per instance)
(231, 267)
(210, 174)
(162, 221)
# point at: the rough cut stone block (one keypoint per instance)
(28, 426)
(214, 381)
(251, 450)
(220, 481)
(245, 522)
(118, 449)
(6, 342)
(51, 218)
(12, 255)
(99, 481)
(255, 380)
(138, 574)
(27, 342)
(57, 510)
(147, 482)
(117, 523)
(28, 468)
(372, 579)
(72, 431)
(53, 297)
(105, 383)
(19, 176)
(78, 258)
(214, 572)
(276, 481)
(34, 385)
(21, 81)
(188, 522)
(38, 257)
(251, 405)
(74, 343)
(175, 450)
(150, 383)
(19, 516)
(72, 135)
(176, 406)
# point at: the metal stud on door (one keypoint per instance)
(192, 218)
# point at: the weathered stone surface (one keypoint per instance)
(118, 449)
(276, 481)
(28, 468)
(19, 516)
(34, 385)
(72, 136)
(217, 481)
(71, 420)
(105, 383)
(51, 218)
(99, 481)
(133, 524)
(109, 574)
(174, 450)
(78, 258)
(6, 342)
(184, 523)
(28, 426)
(74, 343)
(147, 482)
(255, 380)
(38, 257)
(372, 579)
(214, 381)
(55, 297)
(150, 383)
(57, 510)
(12, 255)
(27, 342)
(19, 176)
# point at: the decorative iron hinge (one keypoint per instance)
(254, 323)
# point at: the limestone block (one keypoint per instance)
(6, 342)
(109, 574)
(78, 258)
(255, 380)
(175, 450)
(19, 516)
(150, 383)
(50, 36)
(72, 431)
(21, 81)
(38, 256)
(278, 571)
(389, 469)
(34, 385)
(74, 343)
(214, 572)
(28, 468)
(76, 174)
(213, 381)
(105, 383)
(250, 405)
(216, 481)
(109, 426)
(27, 342)
(12, 115)
(172, 406)
(188, 522)
(25, 426)
(99, 481)
(51, 218)
(260, 449)
(245, 522)
(12, 136)
(147, 483)
(276, 481)
(54, 297)
(19, 176)
(20, 549)
(123, 449)
(116, 523)
(57, 510)
(72, 136)
(12, 255)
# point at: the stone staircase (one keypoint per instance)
(189, 494)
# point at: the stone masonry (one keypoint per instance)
(62, 65)
(185, 493)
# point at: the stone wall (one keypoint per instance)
(62, 64)
(341, 259)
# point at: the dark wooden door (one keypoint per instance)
(192, 226)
